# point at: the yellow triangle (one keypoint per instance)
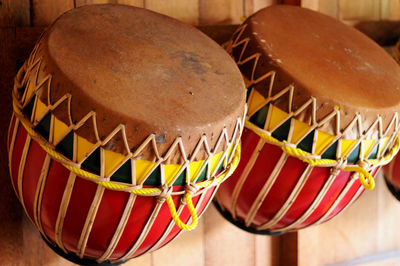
(142, 168)
(277, 116)
(214, 161)
(323, 139)
(368, 143)
(59, 129)
(347, 145)
(83, 148)
(195, 168)
(30, 88)
(40, 109)
(170, 171)
(256, 101)
(111, 160)
(299, 130)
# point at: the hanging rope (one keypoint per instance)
(365, 177)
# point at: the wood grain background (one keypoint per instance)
(366, 233)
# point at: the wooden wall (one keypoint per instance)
(366, 233)
(356, 10)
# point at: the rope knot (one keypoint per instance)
(191, 188)
(165, 193)
(341, 164)
(364, 164)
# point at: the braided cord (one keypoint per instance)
(137, 190)
(365, 177)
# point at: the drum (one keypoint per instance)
(125, 122)
(317, 128)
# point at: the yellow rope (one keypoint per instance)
(192, 211)
(152, 191)
(365, 177)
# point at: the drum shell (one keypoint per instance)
(392, 176)
(41, 185)
(300, 196)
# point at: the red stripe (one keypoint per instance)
(81, 199)
(32, 171)
(343, 203)
(333, 193)
(258, 176)
(55, 185)
(249, 142)
(280, 191)
(349, 196)
(185, 217)
(141, 211)
(107, 219)
(309, 192)
(17, 154)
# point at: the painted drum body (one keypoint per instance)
(115, 146)
(43, 185)
(282, 193)
(316, 131)
(392, 177)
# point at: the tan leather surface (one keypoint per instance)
(326, 59)
(147, 71)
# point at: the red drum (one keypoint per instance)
(317, 128)
(121, 131)
(392, 177)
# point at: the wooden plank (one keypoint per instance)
(139, 3)
(145, 260)
(329, 7)
(219, 12)
(248, 8)
(184, 10)
(359, 9)
(310, 4)
(259, 4)
(44, 12)
(226, 244)
(219, 33)
(11, 238)
(187, 249)
(26, 39)
(79, 3)
(267, 250)
(15, 13)
(289, 249)
(390, 9)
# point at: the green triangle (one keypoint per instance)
(354, 155)
(28, 109)
(282, 132)
(154, 179)
(66, 146)
(181, 180)
(260, 116)
(203, 175)
(374, 153)
(43, 128)
(92, 163)
(330, 153)
(306, 143)
(123, 174)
